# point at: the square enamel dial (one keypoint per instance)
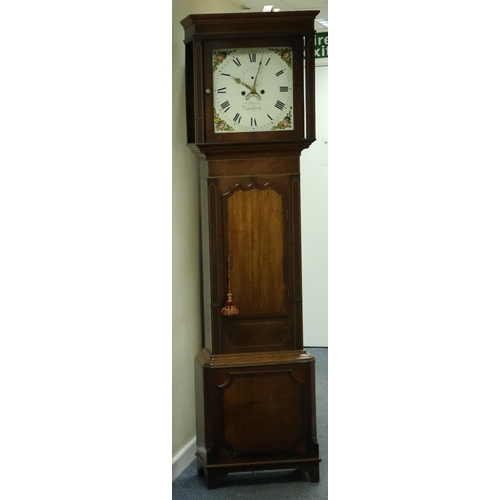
(253, 89)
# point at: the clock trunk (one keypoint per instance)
(252, 250)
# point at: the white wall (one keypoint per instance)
(186, 289)
(314, 205)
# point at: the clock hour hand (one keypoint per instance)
(238, 80)
(252, 89)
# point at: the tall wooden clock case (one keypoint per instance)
(250, 113)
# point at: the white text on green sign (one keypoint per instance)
(321, 45)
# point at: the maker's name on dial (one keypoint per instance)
(251, 108)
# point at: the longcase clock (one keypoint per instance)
(250, 114)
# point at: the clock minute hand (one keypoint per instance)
(253, 90)
(258, 71)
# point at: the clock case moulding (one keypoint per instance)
(255, 387)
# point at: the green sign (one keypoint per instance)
(321, 45)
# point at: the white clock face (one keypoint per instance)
(253, 89)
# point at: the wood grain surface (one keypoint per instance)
(255, 237)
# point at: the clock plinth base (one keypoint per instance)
(255, 411)
(213, 474)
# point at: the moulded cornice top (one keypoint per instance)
(256, 24)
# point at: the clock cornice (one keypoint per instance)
(249, 24)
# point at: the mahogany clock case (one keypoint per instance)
(255, 396)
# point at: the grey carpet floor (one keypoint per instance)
(276, 485)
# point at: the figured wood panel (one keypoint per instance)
(263, 412)
(255, 245)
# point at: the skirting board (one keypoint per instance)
(183, 458)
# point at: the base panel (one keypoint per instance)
(256, 412)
